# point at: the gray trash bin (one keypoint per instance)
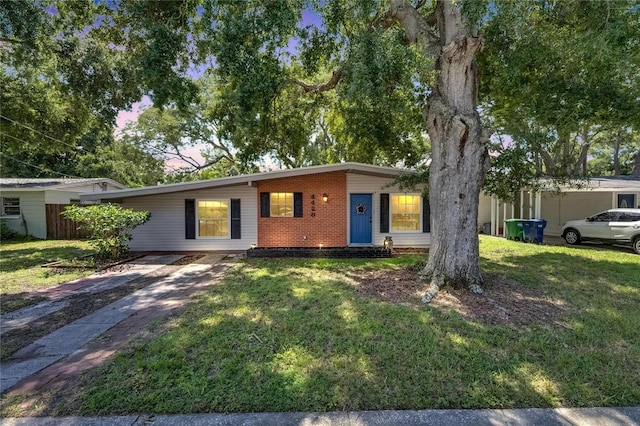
(486, 228)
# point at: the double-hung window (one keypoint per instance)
(10, 207)
(405, 212)
(213, 218)
(281, 204)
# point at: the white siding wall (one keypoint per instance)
(558, 209)
(59, 197)
(90, 187)
(484, 210)
(363, 184)
(32, 211)
(166, 229)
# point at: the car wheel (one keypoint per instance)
(636, 245)
(571, 236)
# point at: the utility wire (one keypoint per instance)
(39, 167)
(77, 147)
(20, 140)
(43, 134)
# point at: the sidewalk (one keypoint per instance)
(532, 416)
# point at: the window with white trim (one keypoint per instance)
(213, 218)
(10, 206)
(281, 204)
(405, 212)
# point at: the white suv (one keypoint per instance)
(615, 226)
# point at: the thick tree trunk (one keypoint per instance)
(459, 155)
(459, 158)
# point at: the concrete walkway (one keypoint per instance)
(71, 338)
(91, 284)
(533, 416)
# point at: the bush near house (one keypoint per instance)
(5, 232)
(109, 226)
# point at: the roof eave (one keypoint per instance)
(243, 180)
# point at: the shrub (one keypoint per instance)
(5, 232)
(109, 226)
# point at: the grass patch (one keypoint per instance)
(296, 335)
(21, 272)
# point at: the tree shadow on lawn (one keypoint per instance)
(604, 293)
(13, 260)
(575, 275)
(286, 339)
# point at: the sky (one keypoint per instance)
(137, 108)
(308, 18)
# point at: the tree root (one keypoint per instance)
(436, 284)
(431, 293)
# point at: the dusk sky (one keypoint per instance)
(308, 18)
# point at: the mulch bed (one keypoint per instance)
(90, 260)
(504, 301)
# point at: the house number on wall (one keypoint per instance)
(313, 205)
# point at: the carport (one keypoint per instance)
(559, 205)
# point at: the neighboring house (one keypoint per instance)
(336, 205)
(24, 201)
(599, 194)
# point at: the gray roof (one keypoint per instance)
(52, 183)
(359, 168)
(610, 183)
(607, 183)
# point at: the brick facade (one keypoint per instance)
(327, 227)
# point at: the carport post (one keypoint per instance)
(530, 204)
(538, 205)
(494, 220)
(504, 215)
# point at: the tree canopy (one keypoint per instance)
(310, 81)
(556, 74)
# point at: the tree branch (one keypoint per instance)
(548, 162)
(10, 40)
(419, 4)
(581, 159)
(323, 87)
(417, 28)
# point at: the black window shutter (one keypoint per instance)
(297, 204)
(426, 214)
(190, 219)
(235, 218)
(265, 204)
(384, 212)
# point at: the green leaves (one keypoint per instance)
(564, 69)
(109, 226)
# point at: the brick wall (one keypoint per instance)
(329, 225)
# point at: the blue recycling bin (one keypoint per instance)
(533, 230)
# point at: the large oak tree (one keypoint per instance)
(366, 76)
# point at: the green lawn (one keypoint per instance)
(296, 335)
(21, 271)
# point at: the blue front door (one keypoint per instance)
(360, 208)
